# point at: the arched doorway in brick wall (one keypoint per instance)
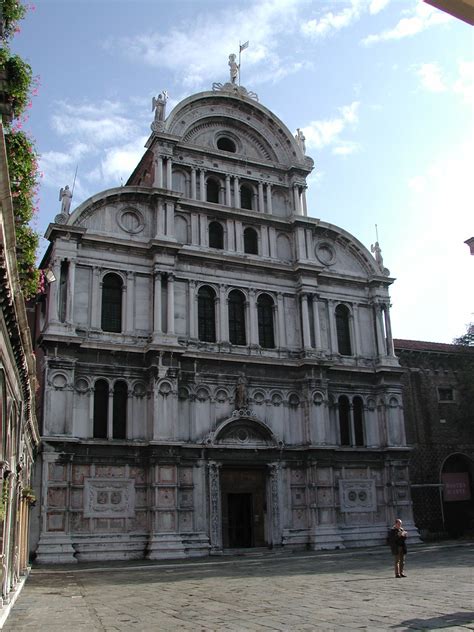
(457, 478)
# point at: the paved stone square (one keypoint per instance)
(337, 590)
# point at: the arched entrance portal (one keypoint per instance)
(244, 484)
(243, 497)
(457, 477)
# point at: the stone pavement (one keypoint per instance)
(337, 590)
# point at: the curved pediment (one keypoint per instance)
(263, 135)
(243, 430)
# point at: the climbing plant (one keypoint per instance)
(16, 87)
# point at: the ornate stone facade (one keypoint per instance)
(219, 368)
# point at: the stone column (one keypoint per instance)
(202, 185)
(194, 229)
(261, 203)
(239, 234)
(71, 281)
(157, 325)
(223, 324)
(169, 173)
(159, 172)
(332, 327)
(264, 238)
(130, 303)
(170, 305)
(317, 323)
(96, 298)
(381, 348)
(169, 207)
(203, 231)
(53, 315)
(192, 309)
(128, 421)
(275, 475)
(269, 198)
(388, 329)
(236, 192)
(296, 199)
(303, 199)
(272, 241)
(281, 321)
(351, 425)
(193, 184)
(356, 330)
(305, 321)
(110, 414)
(228, 196)
(215, 511)
(253, 320)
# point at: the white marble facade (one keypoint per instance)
(275, 417)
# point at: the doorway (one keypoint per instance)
(243, 507)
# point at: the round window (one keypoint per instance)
(226, 144)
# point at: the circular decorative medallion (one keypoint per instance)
(325, 253)
(131, 221)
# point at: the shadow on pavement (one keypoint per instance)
(438, 623)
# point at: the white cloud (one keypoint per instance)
(431, 77)
(464, 85)
(324, 133)
(421, 17)
(101, 139)
(199, 51)
(329, 21)
(120, 161)
(438, 221)
(98, 123)
(377, 5)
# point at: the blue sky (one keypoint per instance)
(382, 89)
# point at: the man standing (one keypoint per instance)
(397, 540)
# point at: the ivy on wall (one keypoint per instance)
(17, 84)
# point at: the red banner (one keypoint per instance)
(456, 486)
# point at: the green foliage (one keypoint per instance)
(17, 85)
(12, 12)
(467, 339)
(19, 78)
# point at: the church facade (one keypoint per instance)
(218, 367)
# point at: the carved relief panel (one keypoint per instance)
(109, 498)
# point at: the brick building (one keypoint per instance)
(438, 397)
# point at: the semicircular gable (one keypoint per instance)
(251, 144)
(340, 252)
(250, 117)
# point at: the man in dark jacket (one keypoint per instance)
(397, 540)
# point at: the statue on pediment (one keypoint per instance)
(158, 105)
(65, 197)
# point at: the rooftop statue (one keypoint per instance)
(158, 105)
(234, 68)
(65, 197)
(300, 140)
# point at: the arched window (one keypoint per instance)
(358, 411)
(343, 330)
(212, 190)
(120, 410)
(344, 421)
(237, 318)
(216, 235)
(266, 337)
(250, 241)
(226, 144)
(101, 409)
(112, 303)
(246, 197)
(206, 314)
